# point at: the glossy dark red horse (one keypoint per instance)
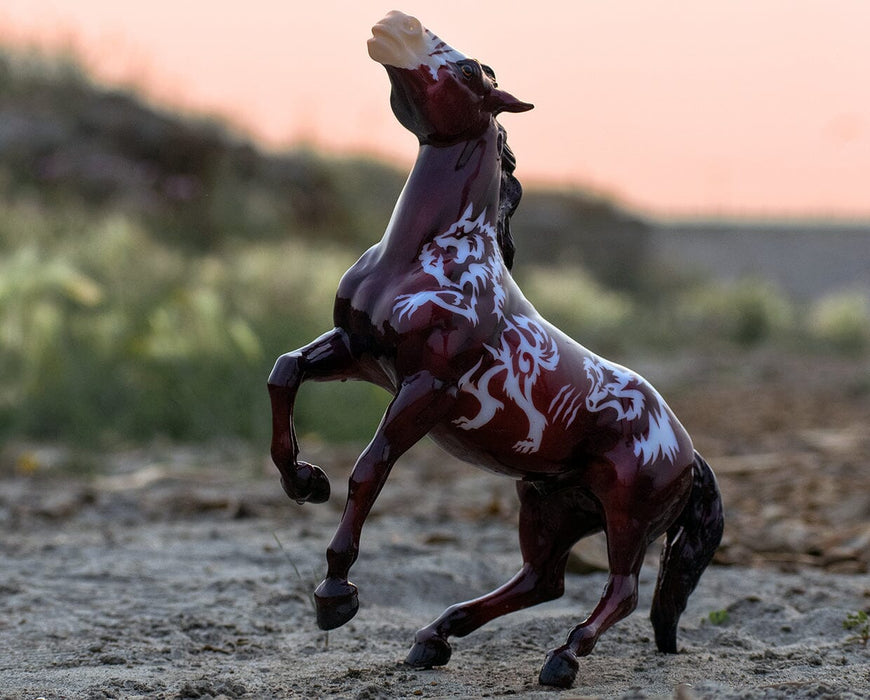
(432, 314)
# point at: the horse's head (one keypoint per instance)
(438, 93)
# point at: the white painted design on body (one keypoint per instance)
(565, 405)
(460, 247)
(524, 350)
(660, 440)
(439, 54)
(611, 389)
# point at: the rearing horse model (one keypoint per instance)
(432, 314)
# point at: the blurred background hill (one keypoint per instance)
(152, 266)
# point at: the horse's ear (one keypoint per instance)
(500, 101)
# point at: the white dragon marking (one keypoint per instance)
(457, 245)
(524, 350)
(611, 389)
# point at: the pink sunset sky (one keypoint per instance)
(712, 107)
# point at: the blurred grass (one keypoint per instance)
(108, 334)
(152, 268)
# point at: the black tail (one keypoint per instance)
(689, 547)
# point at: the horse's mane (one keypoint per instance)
(509, 195)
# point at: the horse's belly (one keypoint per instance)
(501, 445)
(488, 456)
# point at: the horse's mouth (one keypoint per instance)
(398, 40)
(383, 47)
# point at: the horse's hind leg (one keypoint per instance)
(689, 547)
(550, 523)
(626, 546)
(635, 514)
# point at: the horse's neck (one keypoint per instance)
(443, 183)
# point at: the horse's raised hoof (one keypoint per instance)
(560, 668)
(336, 603)
(434, 651)
(309, 484)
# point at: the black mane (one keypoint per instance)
(510, 193)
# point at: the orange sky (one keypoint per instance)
(747, 107)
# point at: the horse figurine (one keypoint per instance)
(432, 314)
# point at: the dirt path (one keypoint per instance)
(187, 575)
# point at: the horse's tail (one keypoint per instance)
(689, 547)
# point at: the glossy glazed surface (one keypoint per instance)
(432, 314)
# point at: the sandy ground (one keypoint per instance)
(186, 573)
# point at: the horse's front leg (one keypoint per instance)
(327, 358)
(421, 402)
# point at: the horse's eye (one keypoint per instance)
(467, 71)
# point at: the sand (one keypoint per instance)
(186, 573)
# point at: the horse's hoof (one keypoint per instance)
(336, 603)
(318, 485)
(309, 484)
(560, 668)
(434, 651)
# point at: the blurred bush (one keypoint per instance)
(842, 321)
(111, 335)
(746, 312)
(571, 299)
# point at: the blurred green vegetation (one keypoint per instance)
(152, 267)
